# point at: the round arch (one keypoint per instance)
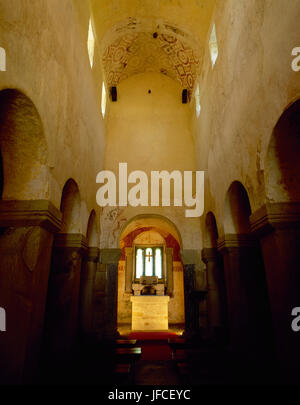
(282, 165)
(211, 231)
(92, 233)
(237, 210)
(71, 208)
(23, 148)
(151, 220)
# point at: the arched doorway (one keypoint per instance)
(282, 166)
(62, 311)
(150, 247)
(247, 295)
(277, 224)
(216, 292)
(88, 274)
(23, 148)
(26, 233)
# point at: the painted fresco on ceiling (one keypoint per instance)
(139, 52)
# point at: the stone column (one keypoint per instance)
(210, 257)
(128, 269)
(88, 274)
(111, 257)
(191, 297)
(99, 314)
(169, 261)
(247, 298)
(61, 330)
(278, 227)
(191, 310)
(26, 237)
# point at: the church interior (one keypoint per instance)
(143, 294)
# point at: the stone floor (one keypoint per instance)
(205, 364)
(156, 373)
(156, 367)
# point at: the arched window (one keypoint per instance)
(139, 263)
(149, 261)
(158, 262)
(213, 46)
(197, 100)
(91, 44)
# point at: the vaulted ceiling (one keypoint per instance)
(138, 52)
(163, 36)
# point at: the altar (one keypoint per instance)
(150, 312)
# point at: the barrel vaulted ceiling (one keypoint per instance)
(138, 52)
(162, 36)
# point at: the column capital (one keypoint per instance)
(235, 241)
(110, 256)
(188, 267)
(273, 216)
(189, 256)
(93, 254)
(209, 255)
(70, 240)
(169, 271)
(30, 213)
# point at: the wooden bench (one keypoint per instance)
(125, 342)
(125, 358)
(128, 354)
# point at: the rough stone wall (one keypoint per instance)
(25, 254)
(243, 96)
(176, 304)
(149, 131)
(47, 60)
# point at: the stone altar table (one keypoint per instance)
(150, 312)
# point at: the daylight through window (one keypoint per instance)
(213, 46)
(149, 262)
(91, 44)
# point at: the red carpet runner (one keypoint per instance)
(154, 344)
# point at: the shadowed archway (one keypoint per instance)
(247, 295)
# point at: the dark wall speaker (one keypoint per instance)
(184, 96)
(113, 93)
